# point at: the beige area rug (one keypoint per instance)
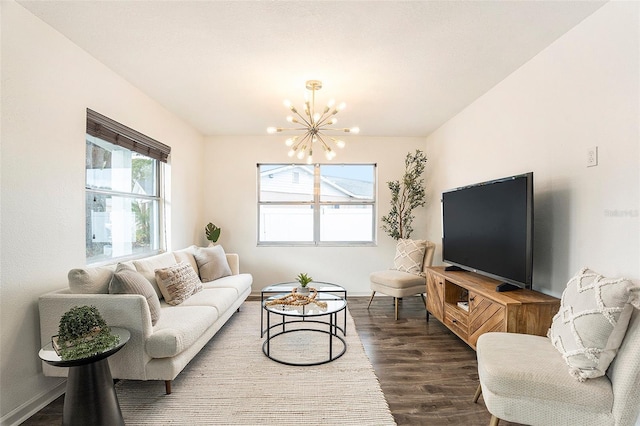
(231, 382)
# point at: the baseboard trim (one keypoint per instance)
(29, 408)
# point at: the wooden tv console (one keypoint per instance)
(517, 311)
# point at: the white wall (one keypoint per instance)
(231, 203)
(582, 91)
(47, 83)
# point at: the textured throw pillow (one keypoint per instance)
(409, 256)
(212, 263)
(90, 280)
(178, 282)
(126, 280)
(592, 321)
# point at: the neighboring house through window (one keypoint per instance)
(124, 191)
(300, 204)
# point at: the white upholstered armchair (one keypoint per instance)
(408, 276)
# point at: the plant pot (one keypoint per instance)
(303, 290)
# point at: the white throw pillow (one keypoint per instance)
(178, 282)
(409, 256)
(592, 321)
(212, 263)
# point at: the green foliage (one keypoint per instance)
(406, 195)
(303, 279)
(213, 232)
(83, 332)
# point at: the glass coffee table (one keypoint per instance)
(294, 333)
(282, 288)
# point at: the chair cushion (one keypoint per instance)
(592, 321)
(409, 256)
(178, 282)
(397, 279)
(126, 280)
(525, 367)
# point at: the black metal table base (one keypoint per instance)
(91, 398)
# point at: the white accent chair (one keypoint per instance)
(524, 379)
(399, 284)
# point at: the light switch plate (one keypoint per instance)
(592, 156)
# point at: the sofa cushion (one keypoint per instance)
(219, 298)
(186, 255)
(148, 266)
(592, 321)
(212, 263)
(178, 328)
(240, 282)
(91, 280)
(409, 256)
(126, 280)
(178, 282)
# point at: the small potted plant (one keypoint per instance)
(303, 280)
(82, 333)
(212, 232)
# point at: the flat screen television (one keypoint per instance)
(488, 228)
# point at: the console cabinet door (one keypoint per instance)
(484, 316)
(435, 296)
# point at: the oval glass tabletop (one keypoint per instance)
(333, 304)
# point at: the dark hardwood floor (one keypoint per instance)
(427, 374)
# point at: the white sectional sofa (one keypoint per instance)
(155, 351)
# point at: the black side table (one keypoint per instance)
(90, 398)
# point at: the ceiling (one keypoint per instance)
(403, 67)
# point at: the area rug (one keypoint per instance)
(232, 382)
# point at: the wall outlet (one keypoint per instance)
(592, 156)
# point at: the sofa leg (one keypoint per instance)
(494, 421)
(396, 308)
(371, 299)
(477, 395)
(167, 386)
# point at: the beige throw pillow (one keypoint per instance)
(178, 282)
(592, 321)
(212, 263)
(409, 256)
(126, 280)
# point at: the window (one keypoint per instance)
(316, 204)
(124, 181)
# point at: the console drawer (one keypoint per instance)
(456, 320)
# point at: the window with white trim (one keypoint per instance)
(321, 204)
(124, 191)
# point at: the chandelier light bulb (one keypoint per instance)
(310, 159)
(289, 142)
(287, 103)
(290, 119)
(331, 103)
(341, 107)
(300, 155)
(316, 117)
(271, 130)
(333, 120)
(355, 130)
(340, 143)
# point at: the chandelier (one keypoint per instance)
(313, 126)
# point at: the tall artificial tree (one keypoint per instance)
(406, 195)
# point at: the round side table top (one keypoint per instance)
(50, 356)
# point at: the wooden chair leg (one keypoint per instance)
(167, 386)
(372, 294)
(494, 421)
(477, 395)
(396, 308)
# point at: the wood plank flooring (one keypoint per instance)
(427, 374)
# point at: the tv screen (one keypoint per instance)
(488, 229)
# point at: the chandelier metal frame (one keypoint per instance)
(314, 126)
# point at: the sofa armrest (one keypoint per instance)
(234, 263)
(128, 311)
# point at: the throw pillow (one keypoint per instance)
(178, 282)
(212, 263)
(126, 280)
(592, 321)
(409, 256)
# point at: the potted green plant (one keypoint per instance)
(82, 333)
(303, 280)
(212, 232)
(406, 195)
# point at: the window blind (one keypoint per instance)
(118, 134)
